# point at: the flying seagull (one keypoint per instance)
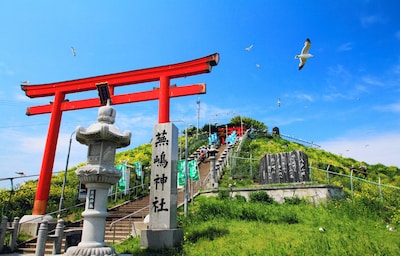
(73, 51)
(249, 48)
(20, 173)
(304, 54)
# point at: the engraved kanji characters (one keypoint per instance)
(160, 180)
(160, 160)
(161, 139)
(158, 205)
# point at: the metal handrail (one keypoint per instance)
(115, 194)
(112, 224)
(58, 211)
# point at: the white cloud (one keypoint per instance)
(394, 107)
(397, 35)
(305, 96)
(372, 81)
(372, 149)
(5, 70)
(345, 47)
(369, 20)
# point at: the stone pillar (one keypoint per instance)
(42, 238)
(163, 231)
(102, 138)
(3, 229)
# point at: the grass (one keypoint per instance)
(233, 227)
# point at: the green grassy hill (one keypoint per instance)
(356, 225)
(223, 226)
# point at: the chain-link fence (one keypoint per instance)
(355, 185)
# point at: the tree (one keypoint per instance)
(249, 122)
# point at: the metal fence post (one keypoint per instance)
(351, 184)
(327, 174)
(380, 189)
(251, 167)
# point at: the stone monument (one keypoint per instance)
(102, 138)
(286, 167)
(163, 231)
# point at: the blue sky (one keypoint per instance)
(345, 99)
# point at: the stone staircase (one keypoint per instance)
(118, 229)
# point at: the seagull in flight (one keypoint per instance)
(20, 173)
(73, 51)
(249, 48)
(304, 54)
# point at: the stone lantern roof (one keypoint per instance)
(102, 138)
(103, 130)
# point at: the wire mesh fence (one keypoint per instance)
(355, 184)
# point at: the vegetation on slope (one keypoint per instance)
(357, 225)
(226, 226)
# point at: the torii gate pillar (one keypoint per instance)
(163, 110)
(60, 89)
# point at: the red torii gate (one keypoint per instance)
(59, 89)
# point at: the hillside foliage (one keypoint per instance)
(18, 201)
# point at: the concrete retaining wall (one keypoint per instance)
(314, 193)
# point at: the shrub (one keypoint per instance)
(261, 196)
(294, 200)
(240, 198)
(290, 218)
(223, 194)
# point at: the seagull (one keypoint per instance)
(73, 51)
(20, 173)
(258, 65)
(304, 54)
(249, 48)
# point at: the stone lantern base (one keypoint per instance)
(98, 251)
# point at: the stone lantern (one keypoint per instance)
(102, 138)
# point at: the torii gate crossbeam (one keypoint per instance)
(59, 90)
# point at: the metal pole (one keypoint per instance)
(186, 174)
(327, 174)
(198, 117)
(380, 189)
(241, 126)
(65, 177)
(351, 184)
(251, 166)
(226, 134)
